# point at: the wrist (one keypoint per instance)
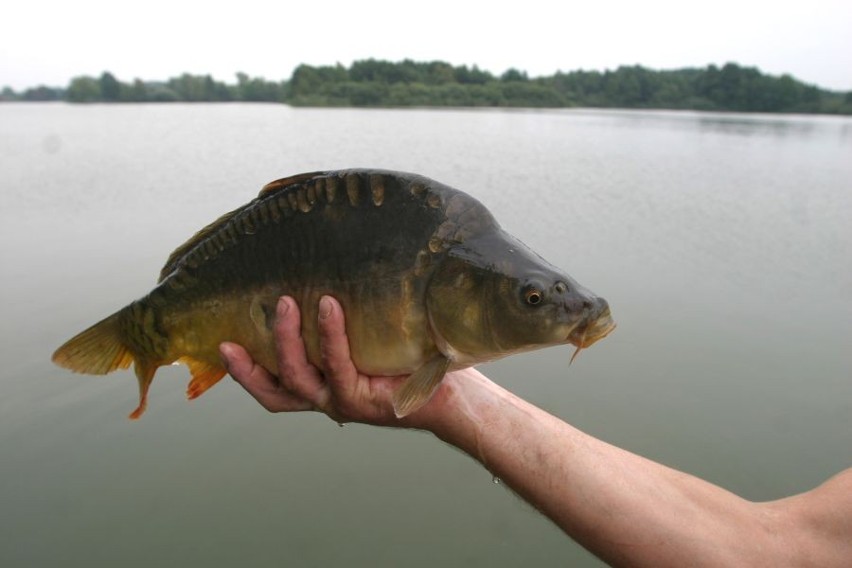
(461, 408)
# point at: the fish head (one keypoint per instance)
(493, 296)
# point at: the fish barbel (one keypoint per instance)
(427, 278)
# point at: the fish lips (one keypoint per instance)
(591, 330)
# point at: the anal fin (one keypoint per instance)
(204, 376)
(420, 386)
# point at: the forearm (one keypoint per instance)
(624, 508)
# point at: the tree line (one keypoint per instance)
(185, 88)
(378, 83)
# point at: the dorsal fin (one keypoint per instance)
(273, 186)
(198, 237)
(286, 182)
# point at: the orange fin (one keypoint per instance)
(95, 351)
(145, 374)
(286, 182)
(204, 376)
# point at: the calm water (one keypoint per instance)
(722, 242)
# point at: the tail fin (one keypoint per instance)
(96, 351)
(99, 350)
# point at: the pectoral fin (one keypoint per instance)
(420, 386)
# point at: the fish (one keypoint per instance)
(427, 278)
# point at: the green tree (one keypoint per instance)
(373, 82)
(308, 81)
(439, 73)
(472, 76)
(513, 75)
(372, 70)
(84, 90)
(161, 93)
(110, 87)
(257, 89)
(190, 88)
(42, 93)
(529, 94)
(137, 92)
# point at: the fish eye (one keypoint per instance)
(532, 296)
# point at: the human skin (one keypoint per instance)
(626, 509)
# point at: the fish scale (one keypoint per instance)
(392, 247)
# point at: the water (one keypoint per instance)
(722, 242)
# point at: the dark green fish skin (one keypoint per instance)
(426, 277)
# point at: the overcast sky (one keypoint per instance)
(51, 41)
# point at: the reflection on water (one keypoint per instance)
(744, 124)
(721, 242)
(763, 125)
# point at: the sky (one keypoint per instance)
(50, 41)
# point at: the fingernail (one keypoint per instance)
(325, 307)
(283, 306)
(223, 355)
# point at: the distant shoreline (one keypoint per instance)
(574, 109)
(408, 84)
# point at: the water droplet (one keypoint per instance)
(341, 424)
(496, 480)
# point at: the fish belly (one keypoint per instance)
(387, 329)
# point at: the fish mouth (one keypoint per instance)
(584, 336)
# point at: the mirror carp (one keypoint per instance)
(428, 281)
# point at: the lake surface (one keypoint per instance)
(722, 242)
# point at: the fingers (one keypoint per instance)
(245, 371)
(295, 371)
(340, 390)
(259, 382)
(337, 360)
(352, 395)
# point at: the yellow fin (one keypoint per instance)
(95, 351)
(99, 350)
(420, 386)
(204, 376)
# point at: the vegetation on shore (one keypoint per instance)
(376, 83)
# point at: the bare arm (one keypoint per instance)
(626, 509)
(631, 511)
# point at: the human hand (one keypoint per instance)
(340, 390)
